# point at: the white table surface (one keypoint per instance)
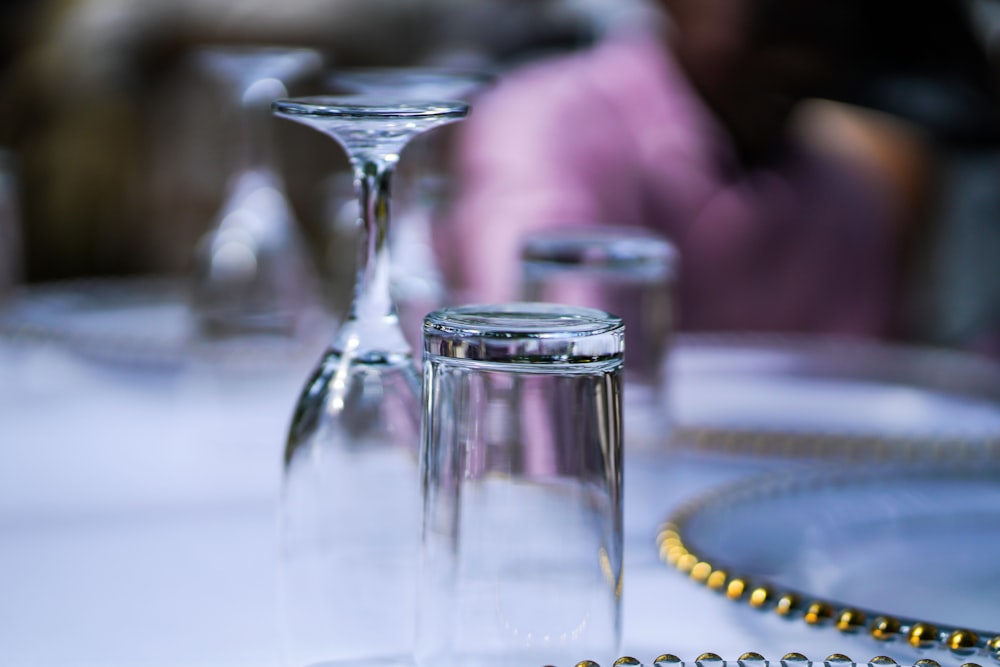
(137, 525)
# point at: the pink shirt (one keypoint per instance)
(616, 135)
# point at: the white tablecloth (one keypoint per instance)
(137, 525)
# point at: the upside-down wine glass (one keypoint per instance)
(351, 499)
(253, 274)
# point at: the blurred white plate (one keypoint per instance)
(813, 396)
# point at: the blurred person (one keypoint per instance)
(694, 125)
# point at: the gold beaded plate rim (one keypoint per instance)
(950, 373)
(764, 593)
(752, 659)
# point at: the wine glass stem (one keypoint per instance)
(372, 299)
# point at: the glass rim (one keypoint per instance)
(369, 106)
(595, 246)
(524, 332)
(418, 74)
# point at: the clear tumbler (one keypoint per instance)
(522, 486)
(630, 272)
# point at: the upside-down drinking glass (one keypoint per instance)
(522, 483)
(351, 503)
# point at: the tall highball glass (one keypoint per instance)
(351, 504)
(522, 483)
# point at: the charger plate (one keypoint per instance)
(821, 397)
(909, 554)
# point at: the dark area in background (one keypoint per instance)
(929, 64)
(924, 62)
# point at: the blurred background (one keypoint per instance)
(118, 145)
(116, 148)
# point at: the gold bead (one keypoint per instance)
(926, 662)
(818, 613)
(701, 571)
(993, 646)
(627, 661)
(788, 603)
(686, 562)
(674, 553)
(884, 628)
(670, 540)
(707, 657)
(922, 635)
(850, 620)
(971, 664)
(882, 661)
(666, 545)
(837, 659)
(735, 589)
(716, 580)
(751, 658)
(794, 660)
(963, 642)
(587, 663)
(668, 532)
(760, 596)
(666, 659)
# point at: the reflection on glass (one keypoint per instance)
(350, 520)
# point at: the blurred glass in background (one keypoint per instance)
(626, 271)
(253, 274)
